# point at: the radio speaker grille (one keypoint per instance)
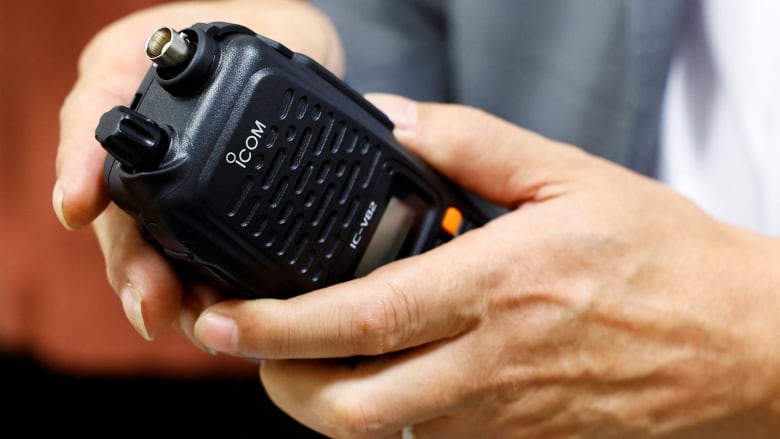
(299, 195)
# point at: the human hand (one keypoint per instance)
(602, 305)
(110, 69)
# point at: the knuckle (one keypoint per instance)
(367, 331)
(385, 325)
(67, 105)
(351, 418)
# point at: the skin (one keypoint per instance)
(601, 305)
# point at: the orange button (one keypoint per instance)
(451, 220)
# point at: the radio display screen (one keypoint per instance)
(389, 237)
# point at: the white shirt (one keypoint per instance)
(720, 140)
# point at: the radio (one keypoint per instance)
(266, 173)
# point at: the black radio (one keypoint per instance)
(266, 172)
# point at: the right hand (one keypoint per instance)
(110, 70)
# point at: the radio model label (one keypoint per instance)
(251, 142)
(367, 217)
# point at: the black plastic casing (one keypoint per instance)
(277, 172)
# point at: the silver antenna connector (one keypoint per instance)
(168, 48)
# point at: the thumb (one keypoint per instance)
(489, 156)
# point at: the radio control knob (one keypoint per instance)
(133, 139)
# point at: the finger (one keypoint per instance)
(373, 398)
(196, 297)
(79, 194)
(500, 161)
(409, 302)
(147, 285)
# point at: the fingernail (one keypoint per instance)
(217, 332)
(131, 303)
(57, 197)
(401, 111)
(186, 322)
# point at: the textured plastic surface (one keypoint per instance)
(277, 172)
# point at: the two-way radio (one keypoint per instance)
(266, 172)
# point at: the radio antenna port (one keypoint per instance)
(167, 48)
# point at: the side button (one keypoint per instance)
(451, 220)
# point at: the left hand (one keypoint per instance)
(602, 305)
(110, 69)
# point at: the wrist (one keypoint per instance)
(773, 343)
(756, 301)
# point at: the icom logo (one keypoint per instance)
(251, 142)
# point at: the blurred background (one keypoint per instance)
(65, 344)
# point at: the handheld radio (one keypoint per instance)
(264, 171)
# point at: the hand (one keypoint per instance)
(602, 305)
(110, 70)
